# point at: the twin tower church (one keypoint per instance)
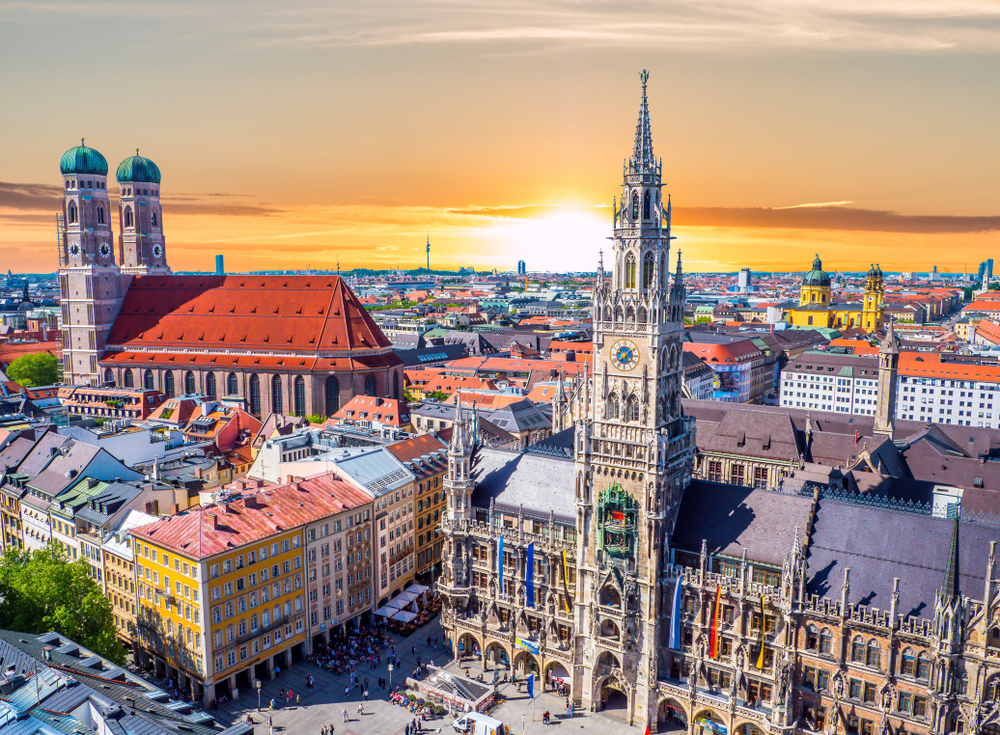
(297, 345)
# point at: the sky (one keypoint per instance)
(299, 134)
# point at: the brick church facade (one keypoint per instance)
(297, 345)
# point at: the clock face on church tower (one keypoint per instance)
(624, 355)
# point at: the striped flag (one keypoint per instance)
(715, 623)
(760, 654)
(500, 563)
(675, 616)
(529, 576)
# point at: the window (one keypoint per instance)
(72, 217)
(812, 638)
(370, 388)
(630, 270)
(232, 385)
(129, 221)
(647, 265)
(210, 385)
(923, 666)
(147, 380)
(300, 396)
(874, 655)
(277, 400)
(254, 396)
(858, 650)
(332, 395)
(168, 384)
(907, 664)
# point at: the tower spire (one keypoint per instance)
(642, 160)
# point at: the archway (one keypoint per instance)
(556, 675)
(497, 656)
(612, 697)
(609, 629)
(468, 646)
(671, 716)
(610, 596)
(525, 663)
(747, 728)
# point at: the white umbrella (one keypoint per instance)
(396, 603)
(404, 615)
(384, 612)
(418, 588)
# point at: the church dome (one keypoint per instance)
(83, 160)
(138, 169)
(816, 277)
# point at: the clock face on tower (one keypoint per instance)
(624, 355)
(74, 248)
(157, 251)
(105, 249)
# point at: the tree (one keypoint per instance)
(38, 368)
(44, 591)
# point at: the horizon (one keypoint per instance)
(290, 138)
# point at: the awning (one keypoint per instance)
(418, 588)
(397, 603)
(384, 612)
(404, 616)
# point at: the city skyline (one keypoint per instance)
(291, 138)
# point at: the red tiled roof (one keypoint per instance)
(989, 331)
(303, 363)
(930, 365)
(389, 411)
(304, 314)
(415, 447)
(990, 305)
(273, 510)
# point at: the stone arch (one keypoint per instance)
(671, 716)
(630, 315)
(109, 376)
(619, 314)
(232, 385)
(607, 313)
(210, 388)
(128, 380)
(710, 714)
(557, 670)
(642, 316)
(526, 663)
(467, 645)
(610, 595)
(498, 655)
(148, 381)
(609, 629)
(747, 728)
(611, 693)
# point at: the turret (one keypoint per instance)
(141, 245)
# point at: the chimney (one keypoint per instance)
(251, 501)
(215, 521)
(47, 653)
(174, 509)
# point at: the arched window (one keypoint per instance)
(189, 387)
(265, 618)
(71, 216)
(607, 313)
(277, 402)
(395, 386)
(370, 384)
(127, 380)
(645, 205)
(147, 380)
(874, 654)
(632, 409)
(332, 395)
(612, 409)
(826, 641)
(129, 222)
(642, 315)
(907, 663)
(923, 666)
(243, 628)
(812, 638)
(230, 633)
(232, 385)
(253, 624)
(300, 396)
(663, 270)
(647, 271)
(630, 315)
(100, 215)
(168, 384)
(210, 385)
(153, 216)
(630, 271)
(109, 376)
(635, 206)
(277, 613)
(858, 650)
(254, 395)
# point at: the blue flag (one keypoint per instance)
(529, 575)
(675, 617)
(500, 563)
(531, 686)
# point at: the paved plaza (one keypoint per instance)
(326, 703)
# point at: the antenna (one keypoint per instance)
(428, 252)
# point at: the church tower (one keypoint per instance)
(142, 250)
(90, 286)
(888, 365)
(871, 310)
(633, 449)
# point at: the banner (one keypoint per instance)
(529, 576)
(531, 686)
(760, 633)
(526, 645)
(500, 563)
(714, 643)
(675, 616)
(566, 582)
(711, 725)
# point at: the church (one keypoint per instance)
(594, 561)
(817, 308)
(297, 345)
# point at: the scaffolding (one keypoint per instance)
(61, 239)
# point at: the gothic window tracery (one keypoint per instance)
(630, 271)
(129, 222)
(612, 409)
(645, 205)
(647, 271)
(100, 215)
(617, 512)
(72, 217)
(632, 409)
(635, 206)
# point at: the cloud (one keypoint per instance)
(29, 196)
(831, 218)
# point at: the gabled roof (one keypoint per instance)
(265, 313)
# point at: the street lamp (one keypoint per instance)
(390, 676)
(522, 723)
(257, 685)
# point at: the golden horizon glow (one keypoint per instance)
(290, 137)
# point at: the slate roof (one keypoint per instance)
(297, 314)
(878, 544)
(539, 483)
(731, 518)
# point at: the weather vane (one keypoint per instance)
(644, 75)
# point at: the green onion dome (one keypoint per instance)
(816, 277)
(82, 159)
(138, 169)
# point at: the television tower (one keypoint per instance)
(428, 252)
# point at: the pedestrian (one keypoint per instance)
(277, 671)
(361, 708)
(413, 650)
(345, 714)
(406, 730)
(365, 695)
(420, 724)
(322, 730)
(281, 693)
(347, 691)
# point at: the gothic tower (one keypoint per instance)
(871, 310)
(633, 449)
(142, 250)
(888, 365)
(90, 284)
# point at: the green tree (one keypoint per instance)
(38, 368)
(44, 591)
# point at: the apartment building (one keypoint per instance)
(119, 575)
(426, 456)
(222, 589)
(829, 381)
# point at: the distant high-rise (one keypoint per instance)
(744, 280)
(220, 268)
(428, 251)
(522, 269)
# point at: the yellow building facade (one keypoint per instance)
(816, 307)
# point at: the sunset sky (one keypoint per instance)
(292, 134)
